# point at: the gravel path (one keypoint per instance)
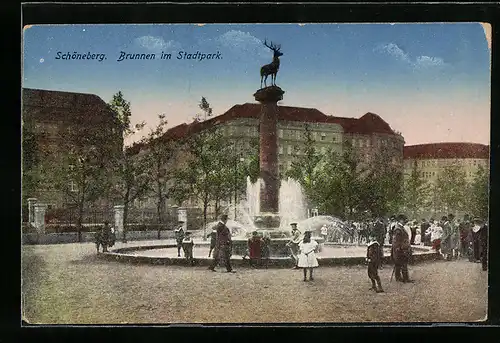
(68, 284)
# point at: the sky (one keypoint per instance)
(431, 82)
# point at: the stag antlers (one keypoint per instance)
(273, 47)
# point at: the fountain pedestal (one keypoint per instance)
(269, 170)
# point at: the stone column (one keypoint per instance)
(31, 210)
(269, 169)
(39, 217)
(119, 209)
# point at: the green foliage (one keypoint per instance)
(304, 166)
(479, 193)
(30, 160)
(122, 109)
(158, 161)
(382, 185)
(343, 185)
(417, 191)
(451, 187)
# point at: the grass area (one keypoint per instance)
(68, 284)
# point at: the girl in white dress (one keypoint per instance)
(307, 257)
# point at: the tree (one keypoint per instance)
(383, 185)
(304, 166)
(206, 172)
(328, 194)
(451, 188)
(339, 183)
(130, 167)
(206, 109)
(82, 176)
(479, 193)
(161, 152)
(417, 191)
(30, 160)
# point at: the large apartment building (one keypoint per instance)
(58, 123)
(368, 134)
(432, 159)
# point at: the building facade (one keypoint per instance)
(431, 159)
(60, 123)
(368, 135)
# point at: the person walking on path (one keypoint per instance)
(223, 245)
(307, 257)
(374, 259)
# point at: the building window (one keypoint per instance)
(334, 138)
(289, 150)
(323, 136)
(280, 133)
(280, 150)
(314, 135)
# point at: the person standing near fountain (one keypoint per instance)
(401, 251)
(266, 246)
(307, 258)
(187, 247)
(223, 245)
(324, 232)
(213, 238)
(379, 231)
(293, 244)
(254, 249)
(179, 236)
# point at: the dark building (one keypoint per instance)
(61, 127)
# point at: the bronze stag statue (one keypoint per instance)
(273, 67)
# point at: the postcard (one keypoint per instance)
(255, 173)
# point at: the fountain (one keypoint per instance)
(269, 208)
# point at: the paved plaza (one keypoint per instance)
(69, 284)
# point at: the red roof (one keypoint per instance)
(446, 150)
(367, 124)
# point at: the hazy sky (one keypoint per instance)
(429, 81)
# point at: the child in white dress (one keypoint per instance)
(307, 257)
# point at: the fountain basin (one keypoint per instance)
(332, 254)
(278, 247)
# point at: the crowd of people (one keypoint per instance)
(451, 238)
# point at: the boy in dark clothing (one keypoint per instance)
(187, 247)
(374, 259)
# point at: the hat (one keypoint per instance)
(293, 224)
(187, 233)
(181, 222)
(372, 242)
(223, 217)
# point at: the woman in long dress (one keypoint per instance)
(307, 257)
